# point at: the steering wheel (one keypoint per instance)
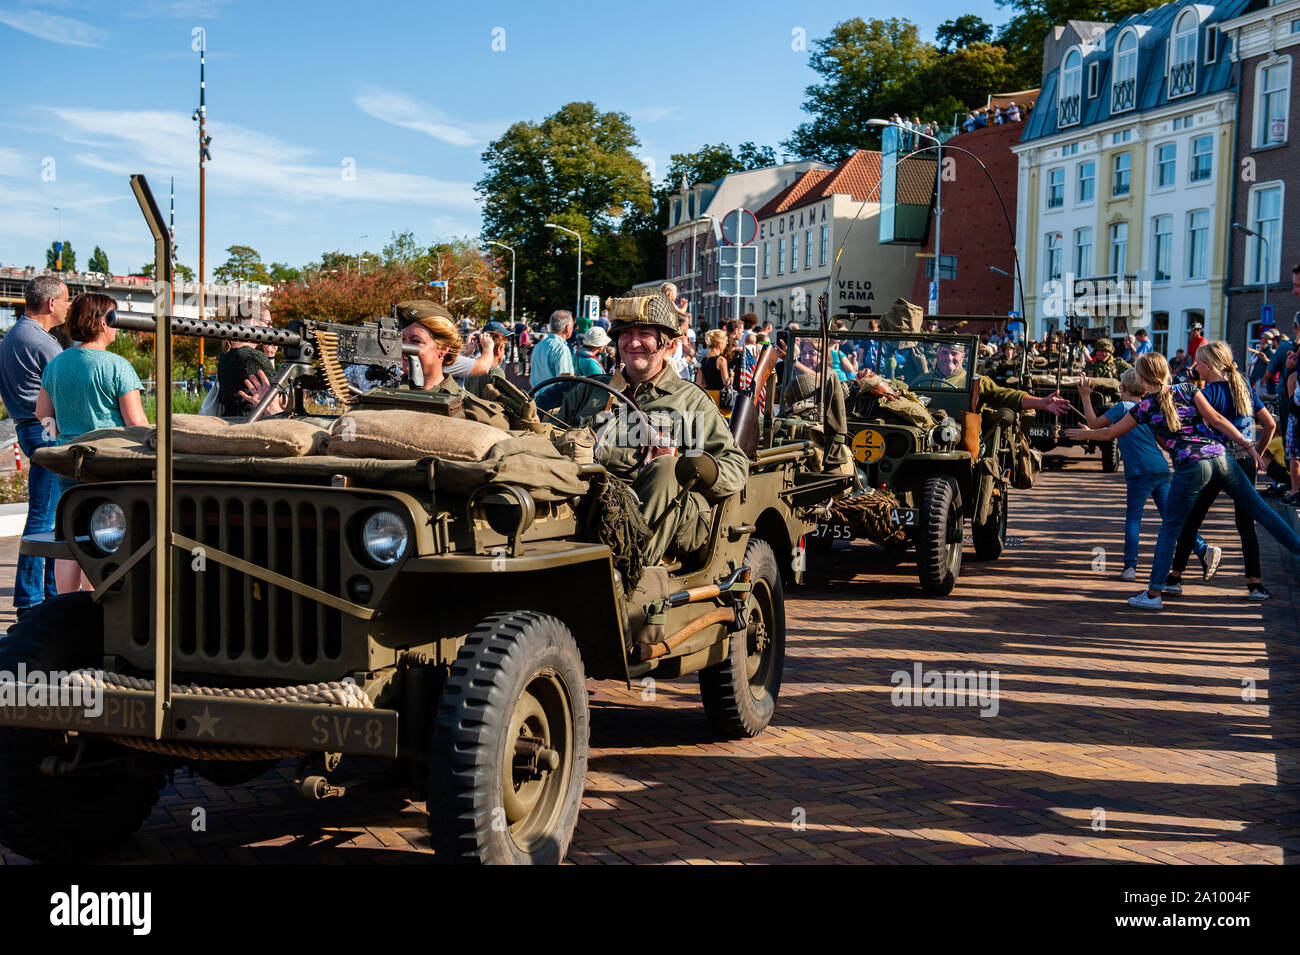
(643, 421)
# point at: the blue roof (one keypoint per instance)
(1152, 89)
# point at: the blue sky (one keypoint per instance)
(410, 93)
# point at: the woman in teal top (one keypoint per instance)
(85, 388)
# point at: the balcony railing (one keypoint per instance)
(1069, 114)
(1111, 294)
(1182, 78)
(1122, 95)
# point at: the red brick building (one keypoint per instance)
(973, 229)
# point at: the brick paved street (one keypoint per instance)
(1102, 709)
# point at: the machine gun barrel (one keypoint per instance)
(209, 328)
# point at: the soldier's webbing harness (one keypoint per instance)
(614, 519)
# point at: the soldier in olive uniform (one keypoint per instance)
(1104, 362)
(644, 330)
(950, 372)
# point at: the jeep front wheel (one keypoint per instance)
(1109, 456)
(938, 537)
(740, 693)
(509, 750)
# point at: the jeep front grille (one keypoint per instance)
(225, 621)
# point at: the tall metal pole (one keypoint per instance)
(578, 236)
(203, 178)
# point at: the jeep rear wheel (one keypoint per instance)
(938, 537)
(991, 536)
(509, 749)
(64, 818)
(740, 693)
(1109, 456)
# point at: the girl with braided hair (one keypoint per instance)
(1188, 427)
(1229, 394)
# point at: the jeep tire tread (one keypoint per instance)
(938, 555)
(518, 681)
(740, 693)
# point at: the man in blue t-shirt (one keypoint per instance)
(1146, 472)
(551, 356)
(24, 353)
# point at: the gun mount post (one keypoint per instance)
(162, 581)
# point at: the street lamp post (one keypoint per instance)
(938, 194)
(551, 225)
(512, 277)
(1268, 257)
(359, 238)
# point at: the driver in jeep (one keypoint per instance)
(683, 419)
(950, 372)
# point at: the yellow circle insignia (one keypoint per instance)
(868, 446)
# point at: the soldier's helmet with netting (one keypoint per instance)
(654, 310)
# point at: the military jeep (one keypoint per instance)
(352, 608)
(1046, 433)
(924, 463)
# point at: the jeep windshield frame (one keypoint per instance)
(875, 350)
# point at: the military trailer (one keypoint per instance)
(378, 595)
(924, 462)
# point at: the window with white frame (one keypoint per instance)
(1055, 188)
(1118, 248)
(1053, 255)
(794, 252)
(825, 251)
(1071, 83)
(767, 259)
(1162, 247)
(1182, 62)
(1211, 45)
(1120, 170)
(1094, 72)
(1202, 158)
(780, 257)
(1166, 160)
(1123, 88)
(1083, 252)
(1264, 259)
(672, 263)
(807, 249)
(1198, 244)
(1160, 333)
(1087, 181)
(1272, 96)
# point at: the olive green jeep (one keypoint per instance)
(925, 461)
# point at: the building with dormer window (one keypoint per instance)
(1125, 174)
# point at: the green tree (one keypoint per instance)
(282, 272)
(243, 265)
(69, 258)
(962, 32)
(99, 261)
(575, 168)
(965, 77)
(401, 249)
(179, 271)
(755, 157)
(868, 69)
(1023, 35)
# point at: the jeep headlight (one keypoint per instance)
(107, 527)
(946, 433)
(384, 537)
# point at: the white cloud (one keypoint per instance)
(56, 29)
(244, 161)
(399, 109)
